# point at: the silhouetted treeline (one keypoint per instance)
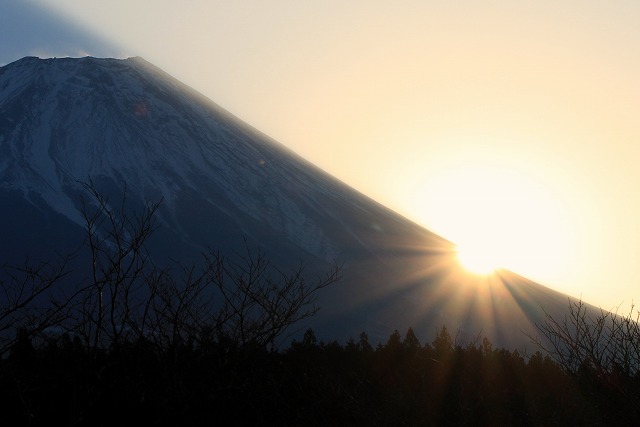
(217, 382)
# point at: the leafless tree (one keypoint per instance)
(261, 302)
(126, 297)
(601, 346)
(119, 265)
(28, 301)
(602, 339)
(247, 302)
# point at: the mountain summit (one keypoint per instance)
(129, 127)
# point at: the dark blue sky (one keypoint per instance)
(30, 30)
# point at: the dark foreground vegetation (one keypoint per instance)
(217, 382)
(134, 344)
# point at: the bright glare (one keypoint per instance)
(478, 260)
(499, 218)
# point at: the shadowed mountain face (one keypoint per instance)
(125, 124)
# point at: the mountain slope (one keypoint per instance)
(127, 124)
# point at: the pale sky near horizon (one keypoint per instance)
(510, 125)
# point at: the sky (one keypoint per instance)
(511, 128)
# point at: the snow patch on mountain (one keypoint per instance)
(67, 120)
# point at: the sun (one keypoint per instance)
(478, 259)
(500, 218)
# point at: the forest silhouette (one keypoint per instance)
(218, 382)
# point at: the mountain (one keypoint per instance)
(127, 126)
